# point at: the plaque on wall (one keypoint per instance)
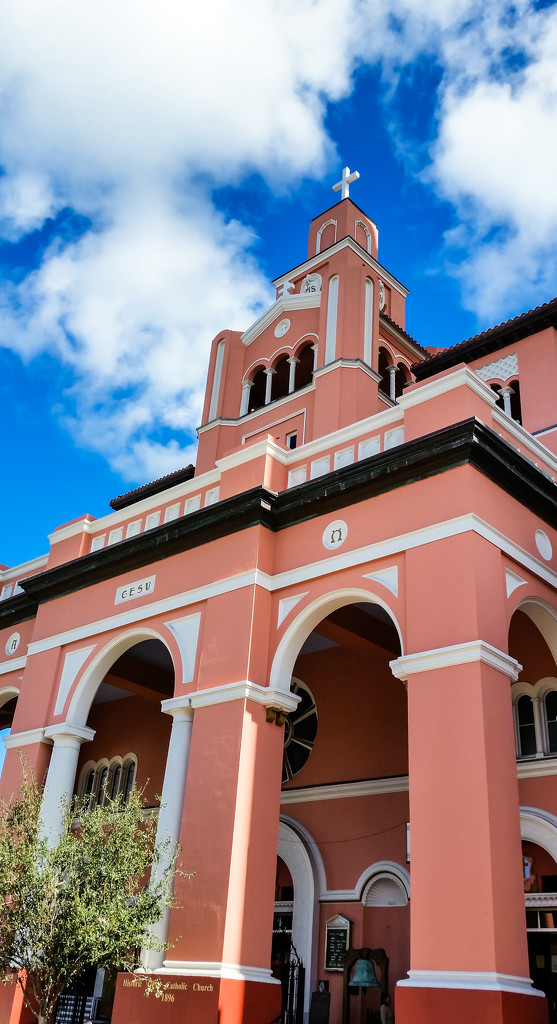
(337, 942)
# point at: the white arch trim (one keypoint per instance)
(7, 693)
(93, 676)
(540, 827)
(300, 854)
(544, 617)
(298, 630)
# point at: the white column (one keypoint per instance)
(392, 382)
(172, 801)
(292, 361)
(60, 779)
(246, 388)
(315, 349)
(506, 393)
(268, 384)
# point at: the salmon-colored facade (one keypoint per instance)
(328, 655)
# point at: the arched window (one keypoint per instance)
(551, 719)
(535, 712)
(101, 781)
(526, 727)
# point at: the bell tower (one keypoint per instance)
(317, 360)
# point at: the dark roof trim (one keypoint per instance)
(155, 487)
(468, 442)
(490, 341)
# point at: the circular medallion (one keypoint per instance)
(282, 328)
(543, 545)
(12, 643)
(300, 729)
(335, 534)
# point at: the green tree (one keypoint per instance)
(79, 903)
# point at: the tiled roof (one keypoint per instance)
(155, 487)
(494, 338)
(400, 330)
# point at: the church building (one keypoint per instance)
(328, 654)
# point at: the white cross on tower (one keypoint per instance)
(345, 181)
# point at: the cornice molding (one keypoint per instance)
(457, 654)
(283, 305)
(325, 254)
(466, 443)
(244, 690)
(344, 790)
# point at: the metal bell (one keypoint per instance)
(364, 975)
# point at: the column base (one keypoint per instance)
(205, 1000)
(461, 1006)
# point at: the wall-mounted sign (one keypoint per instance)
(337, 942)
(131, 591)
(12, 643)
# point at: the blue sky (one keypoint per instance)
(159, 167)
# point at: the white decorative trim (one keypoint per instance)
(538, 768)
(25, 739)
(540, 827)
(326, 224)
(348, 364)
(66, 730)
(524, 438)
(484, 981)
(456, 654)
(344, 790)
(512, 581)
(537, 900)
(254, 451)
(244, 690)
(213, 969)
(20, 572)
(186, 633)
(344, 243)
(73, 663)
(285, 606)
(386, 577)
(380, 869)
(173, 704)
(139, 508)
(14, 664)
(253, 577)
(283, 459)
(502, 368)
(463, 377)
(286, 303)
(301, 575)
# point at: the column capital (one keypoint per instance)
(292, 360)
(269, 371)
(247, 385)
(178, 707)
(457, 654)
(66, 731)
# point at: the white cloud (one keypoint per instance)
(129, 113)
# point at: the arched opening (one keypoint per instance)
(383, 363)
(281, 379)
(534, 694)
(508, 398)
(8, 703)
(346, 765)
(129, 748)
(402, 378)
(257, 391)
(304, 368)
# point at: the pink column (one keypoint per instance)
(468, 933)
